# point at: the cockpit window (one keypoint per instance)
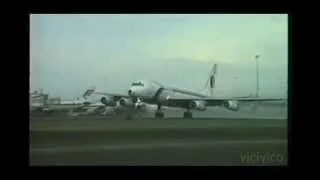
(137, 84)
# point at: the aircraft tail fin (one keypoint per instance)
(213, 76)
(88, 92)
(211, 80)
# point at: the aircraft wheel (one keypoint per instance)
(187, 115)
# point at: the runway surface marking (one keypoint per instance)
(152, 145)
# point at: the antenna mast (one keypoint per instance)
(257, 76)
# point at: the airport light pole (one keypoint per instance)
(257, 75)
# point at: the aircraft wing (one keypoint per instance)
(252, 99)
(184, 102)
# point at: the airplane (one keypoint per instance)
(144, 92)
(76, 106)
(151, 92)
(83, 101)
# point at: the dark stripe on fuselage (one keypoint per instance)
(188, 93)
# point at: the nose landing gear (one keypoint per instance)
(159, 114)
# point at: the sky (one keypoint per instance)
(69, 53)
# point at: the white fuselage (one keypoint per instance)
(154, 93)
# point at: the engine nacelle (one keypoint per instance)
(107, 101)
(232, 105)
(141, 106)
(125, 102)
(198, 105)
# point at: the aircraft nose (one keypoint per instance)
(130, 92)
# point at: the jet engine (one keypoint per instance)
(107, 101)
(140, 106)
(198, 105)
(125, 102)
(232, 105)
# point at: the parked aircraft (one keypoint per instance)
(77, 106)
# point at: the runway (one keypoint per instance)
(247, 112)
(94, 141)
(164, 153)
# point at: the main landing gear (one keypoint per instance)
(159, 114)
(187, 114)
